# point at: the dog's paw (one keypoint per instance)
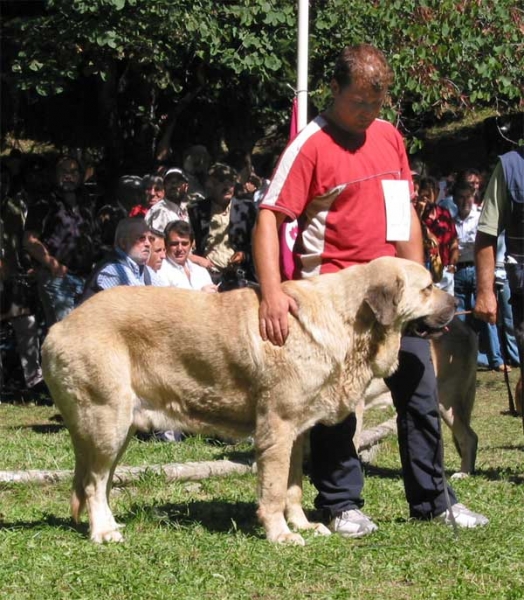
(107, 536)
(294, 539)
(459, 475)
(320, 529)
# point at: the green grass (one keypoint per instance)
(188, 540)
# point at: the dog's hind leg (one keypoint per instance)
(97, 451)
(294, 512)
(274, 439)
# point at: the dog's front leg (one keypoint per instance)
(274, 440)
(294, 511)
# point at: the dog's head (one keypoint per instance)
(401, 295)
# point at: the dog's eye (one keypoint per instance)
(427, 290)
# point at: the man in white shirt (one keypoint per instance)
(173, 206)
(178, 270)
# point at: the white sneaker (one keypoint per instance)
(463, 517)
(352, 523)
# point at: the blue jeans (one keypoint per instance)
(466, 294)
(58, 295)
(508, 343)
(515, 275)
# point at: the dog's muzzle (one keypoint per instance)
(427, 327)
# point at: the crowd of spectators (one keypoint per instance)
(449, 210)
(64, 238)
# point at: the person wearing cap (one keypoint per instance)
(223, 226)
(173, 206)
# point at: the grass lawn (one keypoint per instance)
(192, 540)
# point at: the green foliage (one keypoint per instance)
(449, 57)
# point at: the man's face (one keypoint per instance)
(137, 246)
(221, 192)
(158, 252)
(356, 106)
(68, 175)
(178, 247)
(153, 195)
(474, 182)
(175, 188)
(464, 202)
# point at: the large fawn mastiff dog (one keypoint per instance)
(165, 358)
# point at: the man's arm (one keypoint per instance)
(413, 248)
(275, 304)
(37, 250)
(485, 256)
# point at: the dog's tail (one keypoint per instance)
(78, 495)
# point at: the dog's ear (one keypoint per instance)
(383, 299)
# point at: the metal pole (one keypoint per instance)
(302, 67)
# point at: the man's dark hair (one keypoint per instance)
(364, 63)
(154, 181)
(464, 174)
(181, 228)
(462, 188)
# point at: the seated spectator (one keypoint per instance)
(440, 236)
(154, 190)
(174, 205)
(126, 263)
(178, 270)
(60, 236)
(156, 258)
(223, 226)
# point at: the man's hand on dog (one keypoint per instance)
(273, 316)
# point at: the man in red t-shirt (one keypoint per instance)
(336, 178)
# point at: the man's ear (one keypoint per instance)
(383, 300)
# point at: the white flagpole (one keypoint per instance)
(302, 67)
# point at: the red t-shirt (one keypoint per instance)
(333, 188)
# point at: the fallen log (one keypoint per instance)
(371, 437)
(190, 471)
